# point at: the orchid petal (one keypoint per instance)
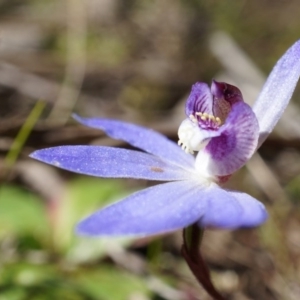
(110, 162)
(231, 209)
(277, 91)
(140, 137)
(224, 95)
(254, 212)
(234, 146)
(158, 209)
(199, 100)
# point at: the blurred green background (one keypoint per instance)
(136, 61)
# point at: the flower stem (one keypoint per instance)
(23, 134)
(192, 237)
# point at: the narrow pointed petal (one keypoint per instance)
(277, 91)
(234, 146)
(199, 100)
(231, 209)
(110, 162)
(140, 137)
(158, 209)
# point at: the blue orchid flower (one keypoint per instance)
(220, 126)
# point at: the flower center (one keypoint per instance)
(195, 132)
(206, 121)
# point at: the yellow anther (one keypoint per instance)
(204, 117)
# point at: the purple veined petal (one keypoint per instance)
(231, 209)
(199, 100)
(225, 95)
(110, 162)
(140, 137)
(155, 210)
(277, 91)
(234, 146)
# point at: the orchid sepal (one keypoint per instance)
(277, 91)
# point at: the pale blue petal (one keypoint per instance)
(277, 91)
(254, 212)
(172, 206)
(110, 162)
(159, 209)
(231, 209)
(140, 137)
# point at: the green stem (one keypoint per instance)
(23, 134)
